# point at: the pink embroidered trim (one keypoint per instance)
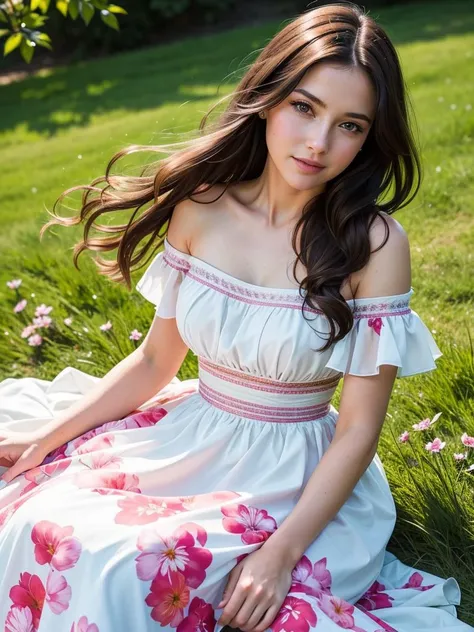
(266, 384)
(285, 298)
(260, 412)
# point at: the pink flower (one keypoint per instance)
(435, 446)
(135, 335)
(338, 610)
(415, 581)
(467, 440)
(42, 310)
(92, 443)
(168, 598)
(426, 423)
(200, 617)
(19, 307)
(29, 593)
(67, 321)
(108, 483)
(44, 473)
(101, 460)
(84, 626)
(376, 324)
(19, 620)
(141, 509)
(254, 524)
(42, 321)
(55, 545)
(58, 592)
(28, 331)
(35, 340)
(460, 456)
(311, 580)
(296, 615)
(374, 598)
(207, 500)
(106, 326)
(163, 555)
(403, 438)
(14, 284)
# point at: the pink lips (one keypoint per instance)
(307, 168)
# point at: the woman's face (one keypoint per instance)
(322, 131)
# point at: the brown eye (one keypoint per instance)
(303, 104)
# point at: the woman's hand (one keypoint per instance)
(20, 451)
(255, 591)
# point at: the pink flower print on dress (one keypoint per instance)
(44, 473)
(107, 483)
(83, 625)
(207, 500)
(311, 580)
(254, 524)
(58, 592)
(94, 444)
(163, 555)
(141, 509)
(338, 610)
(296, 615)
(374, 598)
(376, 324)
(19, 620)
(145, 418)
(101, 460)
(29, 593)
(200, 617)
(415, 581)
(168, 598)
(55, 545)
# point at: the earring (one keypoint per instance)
(262, 114)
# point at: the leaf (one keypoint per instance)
(42, 5)
(113, 8)
(12, 42)
(110, 20)
(74, 9)
(42, 39)
(62, 6)
(4, 32)
(27, 49)
(87, 11)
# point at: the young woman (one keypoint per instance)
(242, 497)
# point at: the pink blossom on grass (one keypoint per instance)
(106, 326)
(35, 340)
(42, 321)
(460, 456)
(426, 423)
(467, 440)
(135, 335)
(14, 284)
(68, 321)
(28, 331)
(43, 310)
(435, 446)
(19, 307)
(403, 438)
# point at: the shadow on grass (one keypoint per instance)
(185, 71)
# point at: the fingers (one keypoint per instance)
(23, 463)
(231, 584)
(268, 619)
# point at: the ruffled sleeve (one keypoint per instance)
(386, 331)
(162, 279)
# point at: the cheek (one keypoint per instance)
(282, 131)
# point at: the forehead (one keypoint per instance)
(342, 88)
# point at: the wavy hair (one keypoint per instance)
(334, 225)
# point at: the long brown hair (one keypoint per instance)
(334, 225)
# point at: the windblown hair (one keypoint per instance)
(335, 224)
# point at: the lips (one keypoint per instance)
(306, 167)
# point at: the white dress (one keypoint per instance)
(137, 524)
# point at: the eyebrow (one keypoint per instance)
(318, 101)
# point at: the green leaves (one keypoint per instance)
(23, 20)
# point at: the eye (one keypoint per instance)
(357, 129)
(296, 105)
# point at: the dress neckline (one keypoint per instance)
(264, 288)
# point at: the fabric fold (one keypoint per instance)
(160, 285)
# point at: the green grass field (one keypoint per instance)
(60, 128)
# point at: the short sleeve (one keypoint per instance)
(160, 284)
(385, 331)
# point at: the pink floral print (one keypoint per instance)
(168, 597)
(164, 555)
(44, 473)
(19, 620)
(376, 324)
(58, 592)
(296, 615)
(29, 593)
(338, 610)
(200, 617)
(141, 509)
(55, 545)
(107, 483)
(254, 525)
(374, 598)
(415, 581)
(83, 625)
(312, 580)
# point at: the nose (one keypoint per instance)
(318, 141)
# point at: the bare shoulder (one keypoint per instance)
(388, 271)
(191, 217)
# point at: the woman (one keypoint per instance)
(243, 497)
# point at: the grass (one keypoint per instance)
(60, 128)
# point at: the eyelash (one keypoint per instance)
(357, 130)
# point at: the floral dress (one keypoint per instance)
(137, 524)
